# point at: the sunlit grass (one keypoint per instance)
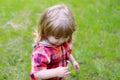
(96, 41)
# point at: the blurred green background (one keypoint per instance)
(96, 41)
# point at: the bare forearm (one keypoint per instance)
(51, 73)
(71, 58)
(46, 74)
(74, 62)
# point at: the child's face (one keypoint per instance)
(57, 41)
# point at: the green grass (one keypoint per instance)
(96, 41)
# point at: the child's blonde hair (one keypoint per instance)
(55, 21)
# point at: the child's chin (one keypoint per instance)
(57, 44)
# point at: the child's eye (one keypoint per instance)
(57, 38)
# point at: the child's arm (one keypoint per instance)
(74, 62)
(51, 73)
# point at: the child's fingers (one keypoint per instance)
(67, 73)
(76, 67)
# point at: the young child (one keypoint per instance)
(52, 49)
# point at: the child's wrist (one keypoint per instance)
(56, 72)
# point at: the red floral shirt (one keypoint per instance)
(48, 56)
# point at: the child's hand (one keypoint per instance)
(75, 65)
(62, 71)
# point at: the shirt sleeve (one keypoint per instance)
(68, 47)
(39, 60)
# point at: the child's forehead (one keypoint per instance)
(60, 34)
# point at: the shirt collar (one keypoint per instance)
(47, 44)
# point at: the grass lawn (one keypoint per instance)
(96, 41)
